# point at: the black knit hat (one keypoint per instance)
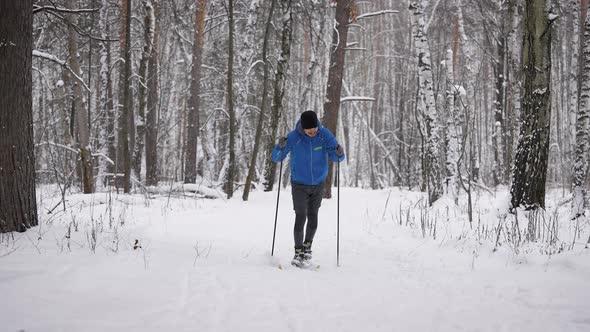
(309, 120)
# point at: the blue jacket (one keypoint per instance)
(309, 155)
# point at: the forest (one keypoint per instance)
(436, 96)
(140, 174)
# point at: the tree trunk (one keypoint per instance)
(123, 151)
(151, 132)
(148, 26)
(497, 142)
(335, 76)
(231, 169)
(17, 158)
(454, 132)
(279, 89)
(106, 94)
(580, 171)
(82, 136)
(261, 116)
(426, 103)
(190, 168)
(530, 165)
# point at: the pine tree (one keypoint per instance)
(17, 161)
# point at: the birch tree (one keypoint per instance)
(454, 132)
(151, 133)
(581, 202)
(426, 102)
(106, 94)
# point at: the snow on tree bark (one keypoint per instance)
(454, 131)
(574, 68)
(17, 160)
(106, 94)
(580, 201)
(151, 133)
(500, 69)
(426, 102)
(530, 165)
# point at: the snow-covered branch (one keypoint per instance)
(109, 160)
(356, 98)
(37, 8)
(49, 57)
(59, 145)
(55, 59)
(383, 12)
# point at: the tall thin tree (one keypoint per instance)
(82, 131)
(279, 89)
(190, 167)
(148, 42)
(344, 8)
(261, 116)
(151, 121)
(231, 169)
(123, 149)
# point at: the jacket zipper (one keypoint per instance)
(311, 160)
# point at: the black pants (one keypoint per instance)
(306, 203)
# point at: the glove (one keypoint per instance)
(339, 151)
(282, 142)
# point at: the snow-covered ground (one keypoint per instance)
(205, 265)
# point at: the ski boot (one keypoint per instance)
(298, 260)
(307, 251)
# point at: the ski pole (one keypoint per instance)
(338, 216)
(277, 211)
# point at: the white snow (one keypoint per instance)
(205, 265)
(460, 90)
(540, 91)
(48, 56)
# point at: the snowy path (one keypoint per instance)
(390, 278)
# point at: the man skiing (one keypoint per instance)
(309, 144)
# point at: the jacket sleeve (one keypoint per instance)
(331, 145)
(279, 154)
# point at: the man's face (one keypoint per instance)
(311, 132)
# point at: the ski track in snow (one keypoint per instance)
(390, 277)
